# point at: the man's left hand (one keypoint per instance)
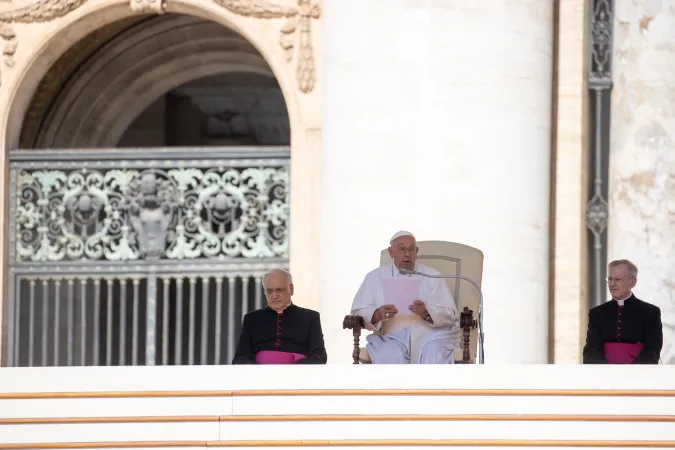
(418, 307)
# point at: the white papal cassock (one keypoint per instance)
(407, 339)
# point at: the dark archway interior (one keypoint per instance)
(227, 109)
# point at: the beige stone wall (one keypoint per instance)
(287, 33)
(569, 246)
(641, 200)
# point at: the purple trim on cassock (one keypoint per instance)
(277, 357)
(622, 352)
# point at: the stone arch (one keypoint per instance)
(130, 71)
(73, 27)
(37, 54)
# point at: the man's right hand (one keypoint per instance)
(384, 312)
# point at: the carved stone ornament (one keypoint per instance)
(295, 32)
(148, 6)
(40, 11)
(129, 214)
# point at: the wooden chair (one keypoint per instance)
(449, 258)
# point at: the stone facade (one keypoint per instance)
(438, 118)
(461, 152)
(48, 40)
(642, 163)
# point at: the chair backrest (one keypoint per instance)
(451, 258)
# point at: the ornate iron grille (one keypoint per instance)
(126, 257)
(600, 89)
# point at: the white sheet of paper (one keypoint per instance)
(401, 292)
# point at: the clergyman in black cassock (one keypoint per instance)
(281, 333)
(294, 330)
(625, 319)
(635, 321)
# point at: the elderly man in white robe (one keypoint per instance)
(428, 332)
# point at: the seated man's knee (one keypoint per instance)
(436, 353)
(391, 352)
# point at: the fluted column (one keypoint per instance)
(642, 155)
(437, 120)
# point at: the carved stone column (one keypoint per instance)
(642, 159)
(437, 119)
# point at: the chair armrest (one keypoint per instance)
(354, 323)
(467, 323)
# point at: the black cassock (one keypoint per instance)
(294, 330)
(635, 321)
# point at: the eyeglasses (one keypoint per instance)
(277, 290)
(405, 250)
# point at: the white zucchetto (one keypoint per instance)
(400, 234)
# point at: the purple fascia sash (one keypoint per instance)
(276, 357)
(621, 352)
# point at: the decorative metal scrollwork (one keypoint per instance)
(601, 41)
(600, 86)
(596, 215)
(129, 214)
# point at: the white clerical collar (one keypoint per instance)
(622, 300)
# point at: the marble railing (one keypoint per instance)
(337, 406)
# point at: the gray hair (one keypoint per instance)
(632, 268)
(289, 277)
